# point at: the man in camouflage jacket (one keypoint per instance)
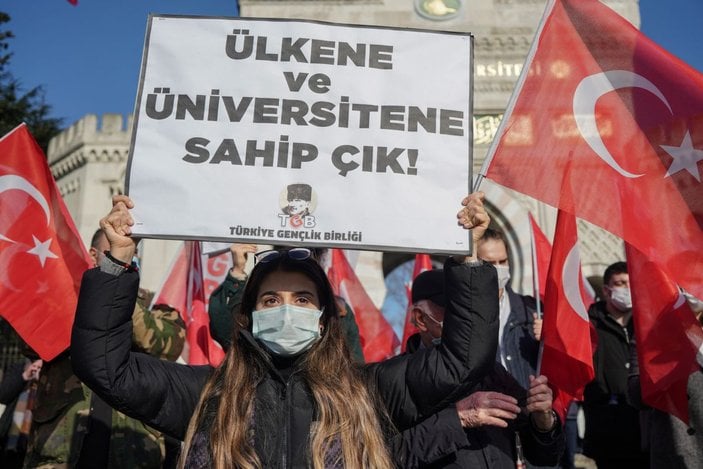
(73, 428)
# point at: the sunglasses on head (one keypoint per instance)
(296, 254)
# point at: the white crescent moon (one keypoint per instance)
(679, 301)
(570, 282)
(585, 97)
(11, 181)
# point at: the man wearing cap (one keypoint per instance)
(503, 422)
(299, 197)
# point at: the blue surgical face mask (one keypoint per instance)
(286, 330)
(435, 340)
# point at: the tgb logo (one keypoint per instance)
(298, 202)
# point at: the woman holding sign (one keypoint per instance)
(287, 393)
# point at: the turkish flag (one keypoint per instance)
(378, 340)
(184, 290)
(541, 254)
(567, 354)
(42, 258)
(422, 263)
(668, 336)
(602, 107)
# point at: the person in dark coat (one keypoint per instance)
(612, 436)
(288, 393)
(497, 414)
(520, 328)
(72, 427)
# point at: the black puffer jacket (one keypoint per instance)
(486, 446)
(612, 424)
(164, 394)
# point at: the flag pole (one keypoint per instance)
(535, 272)
(513, 97)
(535, 281)
(535, 286)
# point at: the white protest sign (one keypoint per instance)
(295, 132)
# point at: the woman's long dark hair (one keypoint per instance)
(346, 408)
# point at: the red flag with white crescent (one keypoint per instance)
(603, 108)
(542, 254)
(184, 290)
(42, 257)
(378, 340)
(567, 355)
(422, 263)
(668, 336)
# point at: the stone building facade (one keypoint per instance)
(89, 159)
(89, 162)
(503, 31)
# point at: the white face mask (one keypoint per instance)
(286, 330)
(503, 275)
(620, 296)
(435, 340)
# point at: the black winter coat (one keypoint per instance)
(494, 447)
(612, 424)
(487, 446)
(164, 394)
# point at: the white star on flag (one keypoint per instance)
(42, 251)
(685, 158)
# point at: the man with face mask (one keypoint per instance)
(612, 425)
(520, 329)
(485, 425)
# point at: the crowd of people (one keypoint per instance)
(294, 391)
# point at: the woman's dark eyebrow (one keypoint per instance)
(270, 292)
(301, 292)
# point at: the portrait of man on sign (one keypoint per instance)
(297, 204)
(299, 198)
